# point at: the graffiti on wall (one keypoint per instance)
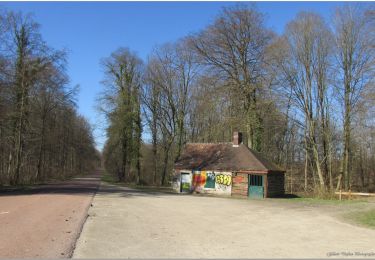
(185, 186)
(204, 179)
(223, 182)
(199, 179)
(223, 179)
(210, 180)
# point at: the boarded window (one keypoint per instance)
(210, 181)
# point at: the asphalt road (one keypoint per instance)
(45, 221)
(129, 223)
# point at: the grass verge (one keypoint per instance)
(106, 177)
(164, 189)
(363, 218)
(112, 180)
(319, 201)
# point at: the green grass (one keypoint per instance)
(112, 180)
(320, 201)
(150, 188)
(108, 178)
(364, 218)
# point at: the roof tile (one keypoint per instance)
(223, 156)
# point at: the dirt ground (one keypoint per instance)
(45, 221)
(128, 223)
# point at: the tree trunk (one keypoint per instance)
(346, 154)
(39, 175)
(167, 148)
(165, 167)
(154, 153)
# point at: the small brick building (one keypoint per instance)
(230, 169)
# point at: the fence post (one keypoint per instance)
(340, 194)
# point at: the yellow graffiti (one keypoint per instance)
(223, 179)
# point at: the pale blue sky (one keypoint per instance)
(92, 30)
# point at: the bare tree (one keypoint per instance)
(322, 67)
(304, 63)
(355, 55)
(123, 71)
(34, 100)
(234, 45)
(171, 75)
(150, 100)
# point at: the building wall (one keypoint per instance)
(176, 183)
(206, 182)
(240, 184)
(226, 183)
(176, 179)
(213, 182)
(275, 184)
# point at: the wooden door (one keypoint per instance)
(256, 186)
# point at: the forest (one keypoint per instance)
(42, 137)
(304, 98)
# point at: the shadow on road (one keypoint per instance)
(81, 185)
(128, 192)
(286, 196)
(90, 185)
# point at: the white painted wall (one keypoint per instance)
(176, 180)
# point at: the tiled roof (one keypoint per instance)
(223, 156)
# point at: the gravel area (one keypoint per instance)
(129, 223)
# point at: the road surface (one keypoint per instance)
(45, 221)
(128, 223)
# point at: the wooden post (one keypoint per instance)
(347, 193)
(339, 184)
(340, 194)
(350, 194)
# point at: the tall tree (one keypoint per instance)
(171, 76)
(150, 100)
(355, 56)
(34, 100)
(31, 56)
(304, 64)
(123, 72)
(235, 45)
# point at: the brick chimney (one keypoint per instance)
(237, 138)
